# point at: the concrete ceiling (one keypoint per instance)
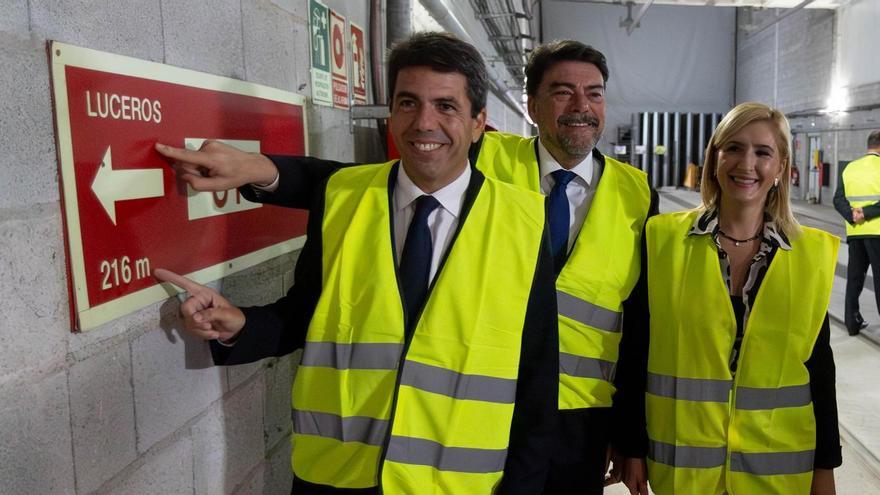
(768, 4)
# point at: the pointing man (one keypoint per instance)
(424, 300)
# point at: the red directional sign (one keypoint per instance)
(125, 212)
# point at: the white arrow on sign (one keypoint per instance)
(111, 185)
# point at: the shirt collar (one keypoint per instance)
(548, 164)
(450, 197)
(707, 224)
(875, 153)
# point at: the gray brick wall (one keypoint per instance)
(134, 406)
(805, 58)
(791, 65)
(102, 416)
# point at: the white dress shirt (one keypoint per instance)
(580, 190)
(442, 222)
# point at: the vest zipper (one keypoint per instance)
(407, 340)
(731, 401)
(470, 196)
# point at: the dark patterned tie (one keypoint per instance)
(559, 216)
(415, 262)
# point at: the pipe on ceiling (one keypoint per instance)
(399, 20)
(441, 11)
(377, 53)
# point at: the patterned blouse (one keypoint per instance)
(771, 239)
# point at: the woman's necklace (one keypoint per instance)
(737, 242)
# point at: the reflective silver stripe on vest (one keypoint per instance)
(770, 463)
(587, 313)
(363, 429)
(410, 450)
(869, 197)
(585, 367)
(771, 398)
(696, 389)
(682, 456)
(458, 385)
(361, 356)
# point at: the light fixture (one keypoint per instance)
(838, 98)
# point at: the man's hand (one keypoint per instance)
(218, 167)
(635, 475)
(858, 215)
(206, 314)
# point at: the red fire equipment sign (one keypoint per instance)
(124, 211)
(339, 58)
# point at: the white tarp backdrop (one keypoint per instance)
(681, 59)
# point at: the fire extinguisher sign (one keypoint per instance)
(339, 58)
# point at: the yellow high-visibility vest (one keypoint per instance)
(861, 181)
(600, 273)
(432, 415)
(711, 432)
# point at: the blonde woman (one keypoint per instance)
(740, 375)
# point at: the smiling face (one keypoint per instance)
(569, 108)
(432, 126)
(747, 166)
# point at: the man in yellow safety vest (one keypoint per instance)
(424, 299)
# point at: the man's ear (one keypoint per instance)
(530, 105)
(479, 126)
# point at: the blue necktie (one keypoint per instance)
(559, 216)
(415, 261)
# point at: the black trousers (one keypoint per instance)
(301, 487)
(863, 251)
(579, 464)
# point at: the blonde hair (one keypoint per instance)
(777, 204)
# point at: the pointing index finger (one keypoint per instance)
(184, 283)
(184, 155)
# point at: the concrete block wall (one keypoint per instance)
(135, 406)
(806, 48)
(787, 65)
(791, 66)
(756, 66)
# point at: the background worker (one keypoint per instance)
(857, 199)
